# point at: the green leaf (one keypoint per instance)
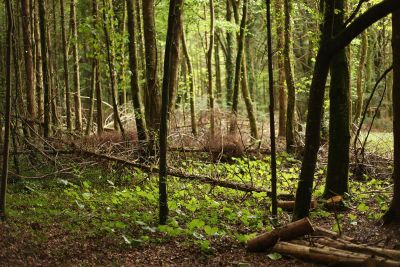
(274, 256)
(362, 207)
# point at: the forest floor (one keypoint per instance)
(106, 215)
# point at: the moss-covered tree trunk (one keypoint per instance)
(360, 74)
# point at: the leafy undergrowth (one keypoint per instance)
(96, 217)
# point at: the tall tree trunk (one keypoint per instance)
(45, 68)
(94, 70)
(238, 66)
(339, 129)
(7, 115)
(393, 214)
(209, 69)
(76, 74)
(39, 73)
(135, 89)
(328, 48)
(65, 62)
(29, 67)
(291, 104)
(281, 67)
(108, 22)
(229, 56)
(191, 85)
(169, 79)
(152, 96)
(360, 73)
(271, 113)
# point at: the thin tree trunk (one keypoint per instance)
(291, 104)
(170, 75)
(218, 81)
(75, 55)
(229, 56)
(191, 85)
(271, 114)
(65, 62)
(209, 69)
(281, 67)
(111, 68)
(247, 99)
(45, 68)
(7, 115)
(39, 73)
(360, 73)
(29, 67)
(99, 104)
(135, 89)
(238, 67)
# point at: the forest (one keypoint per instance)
(200, 132)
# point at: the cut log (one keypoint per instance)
(331, 256)
(288, 205)
(291, 231)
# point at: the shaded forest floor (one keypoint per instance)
(103, 214)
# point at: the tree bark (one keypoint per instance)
(29, 68)
(291, 104)
(7, 110)
(229, 57)
(65, 62)
(191, 85)
(152, 96)
(339, 125)
(45, 68)
(393, 214)
(135, 89)
(209, 70)
(170, 75)
(281, 67)
(360, 73)
(76, 74)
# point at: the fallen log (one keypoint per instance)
(319, 231)
(331, 256)
(193, 177)
(288, 205)
(291, 231)
(373, 251)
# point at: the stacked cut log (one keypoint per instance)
(315, 244)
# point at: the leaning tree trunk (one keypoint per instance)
(247, 99)
(7, 115)
(137, 105)
(328, 48)
(169, 79)
(75, 54)
(393, 214)
(339, 129)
